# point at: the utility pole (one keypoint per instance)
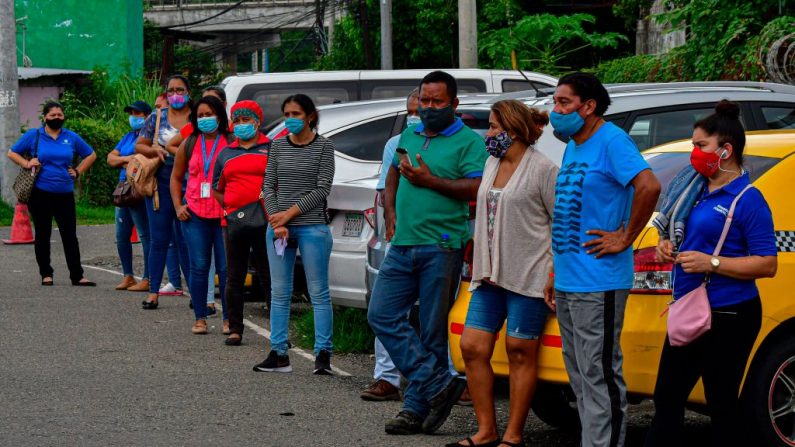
(386, 34)
(368, 50)
(467, 34)
(9, 94)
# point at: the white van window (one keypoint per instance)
(365, 141)
(514, 85)
(270, 96)
(383, 89)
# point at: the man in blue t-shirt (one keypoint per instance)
(604, 196)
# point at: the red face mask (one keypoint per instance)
(705, 163)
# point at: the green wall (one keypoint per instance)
(82, 34)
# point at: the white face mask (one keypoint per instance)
(412, 120)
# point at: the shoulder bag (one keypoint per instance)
(690, 317)
(26, 178)
(247, 218)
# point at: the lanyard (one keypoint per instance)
(206, 162)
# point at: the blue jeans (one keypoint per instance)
(314, 241)
(204, 238)
(125, 219)
(431, 273)
(163, 224)
(173, 265)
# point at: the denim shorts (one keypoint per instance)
(491, 305)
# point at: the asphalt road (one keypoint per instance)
(88, 366)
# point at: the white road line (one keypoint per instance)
(259, 330)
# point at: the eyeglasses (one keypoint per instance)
(176, 91)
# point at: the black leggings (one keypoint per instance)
(237, 256)
(719, 358)
(43, 207)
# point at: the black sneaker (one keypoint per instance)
(323, 363)
(275, 363)
(212, 312)
(405, 423)
(441, 404)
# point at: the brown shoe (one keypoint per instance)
(466, 399)
(142, 286)
(199, 327)
(380, 391)
(126, 283)
(226, 327)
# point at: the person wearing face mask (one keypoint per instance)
(134, 215)
(702, 194)
(237, 184)
(196, 207)
(386, 377)
(426, 215)
(513, 222)
(163, 223)
(52, 148)
(604, 195)
(296, 188)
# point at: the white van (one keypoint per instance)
(331, 87)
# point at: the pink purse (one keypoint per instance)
(690, 317)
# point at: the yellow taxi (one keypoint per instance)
(769, 387)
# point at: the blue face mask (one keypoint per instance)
(245, 131)
(208, 124)
(566, 124)
(136, 122)
(413, 120)
(294, 125)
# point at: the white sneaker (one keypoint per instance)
(169, 289)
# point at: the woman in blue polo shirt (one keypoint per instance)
(132, 215)
(53, 148)
(718, 357)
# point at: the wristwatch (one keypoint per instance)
(715, 263)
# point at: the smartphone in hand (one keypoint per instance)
(403, 156)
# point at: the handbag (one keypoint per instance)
(125, 195)
(690, 316)
(245, 219)
(26, 178)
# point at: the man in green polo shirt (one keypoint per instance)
(435, 173)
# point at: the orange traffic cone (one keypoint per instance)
(134, 236)
(21, 232)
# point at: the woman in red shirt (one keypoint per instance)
(199, 211)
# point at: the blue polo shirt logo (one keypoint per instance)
(721, 209)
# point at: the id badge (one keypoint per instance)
(205, 193)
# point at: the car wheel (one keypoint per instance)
(554, 405)
(769, 395)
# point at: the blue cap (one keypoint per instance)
(139, 106)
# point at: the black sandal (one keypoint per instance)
(511, 444)
(471, 443)
(149, 305)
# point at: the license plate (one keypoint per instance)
(353, 225)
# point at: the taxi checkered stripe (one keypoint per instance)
(785, 241)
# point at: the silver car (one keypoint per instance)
(652, 114)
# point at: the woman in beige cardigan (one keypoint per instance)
(512, 265)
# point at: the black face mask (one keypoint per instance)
(55, 123)
(436, 120)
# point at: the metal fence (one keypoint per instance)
(222, 3)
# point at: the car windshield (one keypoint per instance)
(666, 165)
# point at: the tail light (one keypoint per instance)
(466, 269)
(651, 277)
(369, 216)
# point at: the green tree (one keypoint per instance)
(545, 42)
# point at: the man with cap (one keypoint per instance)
(136, 214)
(237, 183)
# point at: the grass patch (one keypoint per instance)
(95, 215)
(86, 214)
(6, 214)
(352, 334)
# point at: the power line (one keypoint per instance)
(224, 11)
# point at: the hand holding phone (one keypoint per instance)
(403, 156)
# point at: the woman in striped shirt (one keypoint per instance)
(297, 182)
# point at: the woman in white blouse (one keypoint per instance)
(512, 264)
